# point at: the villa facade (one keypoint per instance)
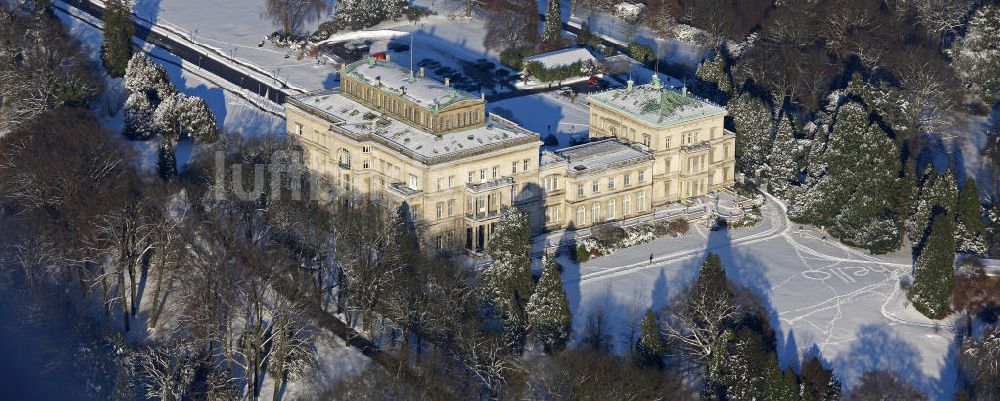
(391, 136)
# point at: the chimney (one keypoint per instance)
(629, 88)
(420, 73)
(447, 81)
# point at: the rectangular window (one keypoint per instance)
(513, 168)
(626, 205)
(611, 209)
(451, 207)
(626, 179)
(366, 149)
(482, 175)
(525, 165)
(645, 140)
(438, 242)
(451, 181)
(440, 184)
(595, 186)
(666, 165)
(471, 177)
(640, 202)
(413, 182)
(579, 190)
(496, 172)
(666, 143)
(366, 164)
(611, 183)
(439, 210)
(298, 129)
(595, 212)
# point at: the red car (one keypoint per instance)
(380, 56)
(592, 80)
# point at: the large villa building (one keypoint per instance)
(391, 136)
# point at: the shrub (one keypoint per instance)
(582, 254)
(513, 57)
(535, 69)
(641, 53)
(608, 234)
(678, 227)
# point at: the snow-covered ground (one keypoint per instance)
(823, 297)
(235, 109)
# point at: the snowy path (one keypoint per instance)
(823, 297)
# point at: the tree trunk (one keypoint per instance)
(124, 297)
(155, 313)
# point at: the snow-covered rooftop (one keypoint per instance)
(395, 79)
(361, 123)
(656, 105)
(601, 154)
(562, 57)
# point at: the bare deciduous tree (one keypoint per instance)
(290, 15)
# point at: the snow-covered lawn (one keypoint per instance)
(822, 296)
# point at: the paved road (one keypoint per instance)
(274, 91)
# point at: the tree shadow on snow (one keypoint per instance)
(876, 347)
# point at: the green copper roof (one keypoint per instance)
(656, 106)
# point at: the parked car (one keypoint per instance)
(380, 56)
(565, 91)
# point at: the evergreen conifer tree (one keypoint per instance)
(779, 385)
(753, 121)
(818, 382)
(138, 112)
(935, 274)
(650, 348)
(508, 279)
(938, 193)
(178, 116)
(552, 30)
(744, 368)
(905, 195)
(782, 161)
(850, 197)
(548, 310)
(713, 70)
(143, 74)
(116, 46)
(970, 232)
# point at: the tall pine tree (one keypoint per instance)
(116, 47)
(650, 348)
(508, 279)
(935, 273)
(548, 310)
(784, 167)
(850, 198)
(753, 121)
(938, 193)
(552, 30)
(970, 232)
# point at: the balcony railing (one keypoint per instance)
(698, 147)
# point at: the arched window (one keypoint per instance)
(345, 158)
